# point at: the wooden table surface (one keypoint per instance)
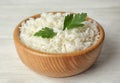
(106, 12)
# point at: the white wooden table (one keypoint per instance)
(106, 12)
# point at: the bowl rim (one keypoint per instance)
(74, 53)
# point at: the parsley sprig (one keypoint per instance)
(45, 33)
(73, 21)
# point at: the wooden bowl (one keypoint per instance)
(61, 64)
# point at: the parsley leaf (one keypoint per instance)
(45, 33)
(73, 21)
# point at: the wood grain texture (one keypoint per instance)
(61, 64)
